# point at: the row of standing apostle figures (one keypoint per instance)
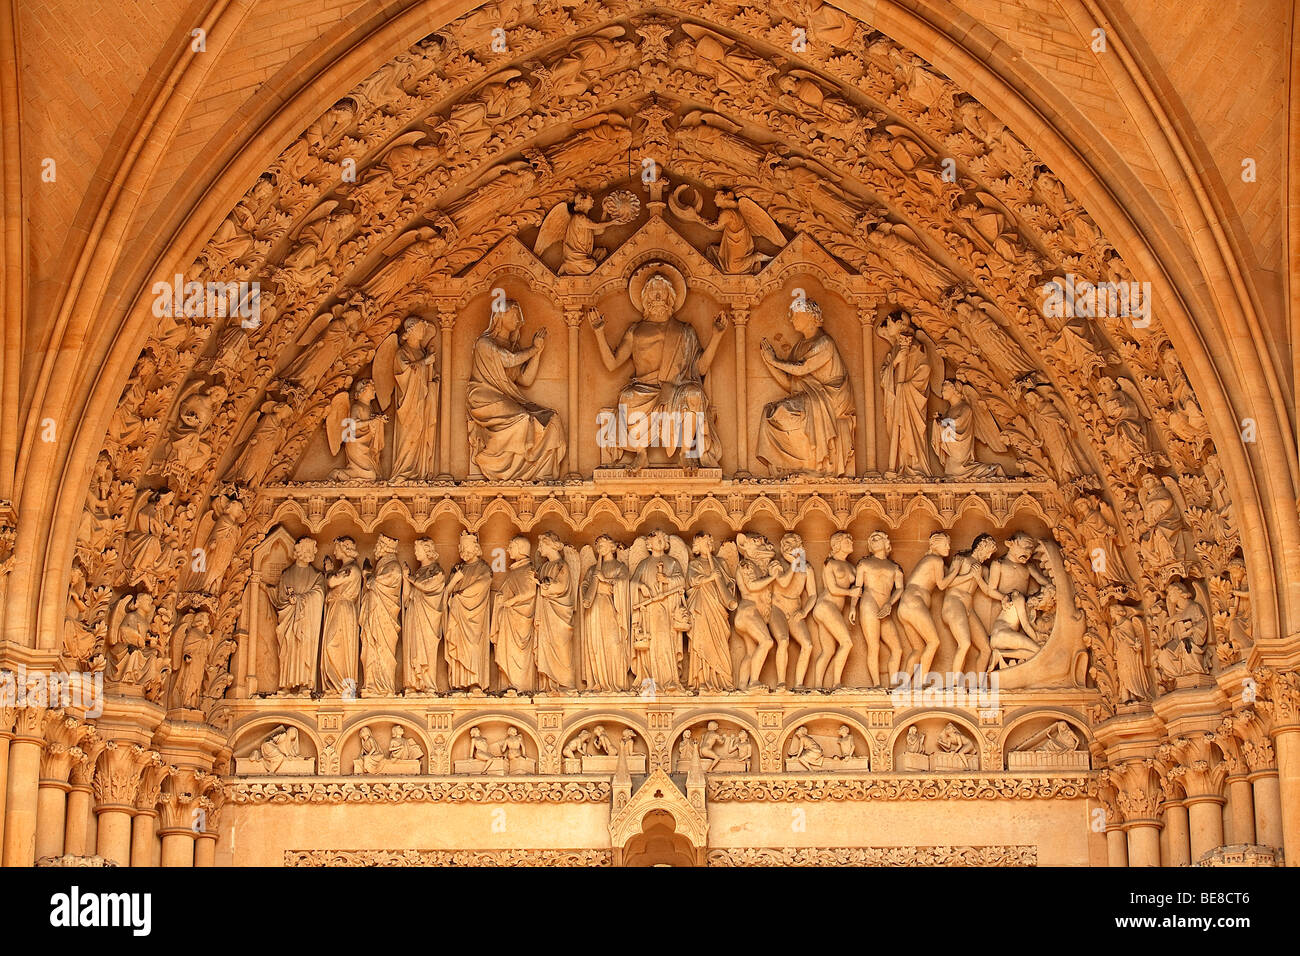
(652, 615)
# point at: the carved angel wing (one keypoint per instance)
(383, 371)
(340, 406)
(1130, 388)
(571, 559)
(586, 559)
(636, 553)
(987, 429)
(729, 555)
(553, 228)
(1175, 491)
(115, 621)
(759, 222)
(677, 548)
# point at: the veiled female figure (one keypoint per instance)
(510, 438)
(341, 635)
(381, 602)
(1132, 678)
(422, 619)
(468, 594)
(605, 620)
(811, 430)
(513, 609)
(710, 597)
(298, 599)
(556, 590)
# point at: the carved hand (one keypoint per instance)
(720, 321)
(596, 319)
(539, 339)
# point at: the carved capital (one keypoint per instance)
(1137, 787)
(1251, 728)
(151, 781)
(117, 775)
(29, 724)
(179, 800)
(1281, 697)
(83, 769)
(1196, 763)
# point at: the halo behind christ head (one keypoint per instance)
(643, 275)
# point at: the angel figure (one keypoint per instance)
(1163, 544)
(557, 587)
(1132, 675)
(739, 221)
(406, 367)
(710, 599)
(128, 636)
(606, 616)
(577, 231)
(412, 256)
(659, 614)
(219, 530)
(1054, 431)
(752, 562)
(150, 541)
(198, 405)
(470, 124)
(352, 425)
(194, 633)
(957, 430)
(1188, 636)
(1126, 412)
(260, 445)
(323, 346)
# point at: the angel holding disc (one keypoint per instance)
(739, 220)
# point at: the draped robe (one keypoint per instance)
(511, 438)
(811, 430)
(381, 603)
(298, 624)
(466, 621)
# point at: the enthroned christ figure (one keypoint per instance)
(664, 404)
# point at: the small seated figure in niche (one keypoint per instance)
(601, 742)
(512, 748)
(1189, 633)
(953, 741)
(479, 748)
(710, 743)
(577, 747)
(915, 740)
(1058, 737)
(371, 757)
(281, 745)
(402, 747)
(846, 748)
(810, 431)
(804, 750)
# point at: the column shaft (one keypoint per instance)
(113, 840)
(1205, 824)
(178, 848)
(51, 818)
(1268, 808)
(1286, 741)
(76, 828)
(742, 396)
(143, 830)
(1116, 847)
(1241, 809)
(1177, 835)
(20, 801)
(205, 850)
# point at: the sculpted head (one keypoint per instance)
(983, 547)
(1178, 596)
(413, 331)
(878, 543)
(841, 544)
(657, 542)
(304, 550)
(658, 299)
(791, 544)
(345, 549)
(806, 317)
(702, 543)
(549, 544)
(1020, 546)
(940, 544)
(469, 547)
(425, 551)
(519, 548)
(364, 391)
(385, 546)
(582, 202)
(506, 321)
(604, 545)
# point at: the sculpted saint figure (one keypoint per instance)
(371, 757)
(811, 430)
(578, 746)
(1189, 634)
(406, 366)
(905, 384)
(965, 575)
(352, 425)
(194, 634)
(914, 607)
(881, 583)
(664, 404)
(513, 608)
(422, 619)
(659, 615)
(844, 744)
(711, 597)
(381, 603)
(1132, 679)
(606, 618)
(510, 438)
(341, 636)
(557, 586)
(794, 593)
(740, 220)
(838, 592)
(915, 741)
(299, 601)
(468, 594)
(756, 573)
